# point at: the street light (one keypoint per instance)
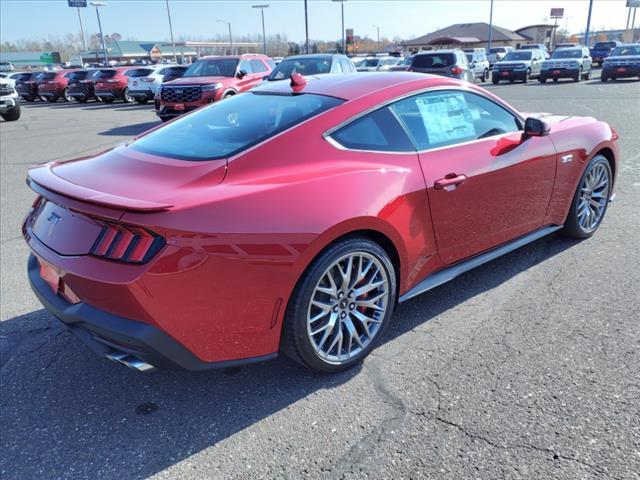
(230, 37)
(175, 56)
(378, 29)
(264, 35)
(104, 48)
(341, 2)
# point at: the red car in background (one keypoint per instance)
(211, 79)
(111, 84)
(54, 85)
(294, 217)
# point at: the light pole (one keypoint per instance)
(264, 35)
(230, 36)
(344, 46)
(175, 56)
(490, 27)
(586, 35)
(84, 39)
(306, 26)
(378, 29)
(104, 48)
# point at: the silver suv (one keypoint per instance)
(448, 63)
(572, 63)
(479, 64)
(9, 102)
(518, 65)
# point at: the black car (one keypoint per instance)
(313, 64)
(27, 85)
(81, 85)
(624, 62)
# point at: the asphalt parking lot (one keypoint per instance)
(528, 367)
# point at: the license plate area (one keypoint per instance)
(621, 69)
(50, 274)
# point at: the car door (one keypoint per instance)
(486, 183)
(586, 60)
(260, 71)
(247, 80)
(536, 63)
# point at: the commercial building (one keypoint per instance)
(466, 35)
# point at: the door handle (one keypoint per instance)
(450, 180)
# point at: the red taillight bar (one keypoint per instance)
(126, 243)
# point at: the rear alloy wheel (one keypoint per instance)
(590, 200)
(65, 95)
(126, 97)
(341, 306)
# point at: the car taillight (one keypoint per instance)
(126, 243)
(456, 70)
(147, 79)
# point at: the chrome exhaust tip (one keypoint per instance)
(130, 361)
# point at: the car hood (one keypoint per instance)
(125, 179)
(196, 81)
(624, 57)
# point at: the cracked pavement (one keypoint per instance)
(527, 367)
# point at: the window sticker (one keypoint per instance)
(446, 118)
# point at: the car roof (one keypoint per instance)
(354, 85)
(444, 50)
(311, 55)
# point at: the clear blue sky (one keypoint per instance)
(147, 20)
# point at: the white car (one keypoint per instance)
(9, 102)
(144, 81)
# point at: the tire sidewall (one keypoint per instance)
(295, 323)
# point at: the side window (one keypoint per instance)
(335, 65)
(257, 66)
(376, 131)
(438, 119)
(245, 66)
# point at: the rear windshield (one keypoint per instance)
(567, 53)
(140, 72)
(175, 70)
(497, 50)
(303, 66)
(220, 67)
(434, 60)
(105, 74)
(79, 75)
(628, 50)
(522, 55)
(225, 128)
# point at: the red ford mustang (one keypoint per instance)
(294, 217)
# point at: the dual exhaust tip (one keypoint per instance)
(130, 361)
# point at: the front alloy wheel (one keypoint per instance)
(590, 200)
(341, 306)
(127, 98)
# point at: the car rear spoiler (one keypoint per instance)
(42, 179)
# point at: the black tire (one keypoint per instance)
(164, 119)
(28, 98)
(65, 95)
(485, 76)
(555, 80)
(142, 101)
(11, 115)
(542, 79)
(52, 99)
(295, 341)
(495, 81)
(572, 226)
(106, 100)
(526, 77)
(578, 77)
(82, 99)
(125, 96)
(603, 78)
(586, 77)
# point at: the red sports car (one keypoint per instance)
(292, 218)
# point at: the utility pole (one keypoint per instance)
(306, 26)
(175, 56)
(490, 27)
(230, 36)
(84, 39)
(586, 35)
(344, 45)
(378, 29)
(104, 47)
(264, 35)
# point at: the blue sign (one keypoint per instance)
(77, 3)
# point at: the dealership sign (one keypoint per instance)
(77, 3)
(633, 3)
(557, 13)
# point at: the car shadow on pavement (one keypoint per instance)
(67, 413)
(130, 130)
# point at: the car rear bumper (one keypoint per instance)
(509, 74)
(143, 94)
(119, 338)
(49, 94)
(611, 72)
(107, 94)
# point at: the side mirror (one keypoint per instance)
(535, 127)
(241, 73)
